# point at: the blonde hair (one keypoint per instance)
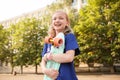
(51, 30)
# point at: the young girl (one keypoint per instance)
(60, 23)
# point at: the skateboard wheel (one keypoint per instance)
(58, 42)
(48, 40)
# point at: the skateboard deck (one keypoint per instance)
(59, 49)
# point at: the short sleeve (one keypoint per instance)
(71, 43)
(44, 49)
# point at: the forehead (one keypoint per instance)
(59, 14)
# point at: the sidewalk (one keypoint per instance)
(83, 76)
(98, 76)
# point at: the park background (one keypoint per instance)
(96, 25)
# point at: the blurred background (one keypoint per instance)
(96, 24)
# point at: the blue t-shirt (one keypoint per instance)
(66, 71)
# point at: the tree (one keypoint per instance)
(98, 30)
(3, 44)
(28, 42)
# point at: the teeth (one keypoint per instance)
(57, 24)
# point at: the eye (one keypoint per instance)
(61, 18)
(54, 19)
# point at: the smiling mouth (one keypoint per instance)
(57, 24)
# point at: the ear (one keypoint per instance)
(66, 25)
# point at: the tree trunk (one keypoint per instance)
(21, 69)
(36, 68)
(1, 63)
(112, 69)
(90, 64)
(12, 70)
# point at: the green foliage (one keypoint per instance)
(3, 43)
(77, 61)
(27, 41)
(98, 30)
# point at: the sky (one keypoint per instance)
(12, 8)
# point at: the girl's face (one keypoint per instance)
(59, 21)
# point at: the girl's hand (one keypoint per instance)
(49, 56)
(52, 73)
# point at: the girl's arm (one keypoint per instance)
(43, 64)
(63, 58)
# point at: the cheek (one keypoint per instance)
(65, 23)
(52, 24)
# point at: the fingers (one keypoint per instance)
(55, 74)
(52, 73)
(48, 56)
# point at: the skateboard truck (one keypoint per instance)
(54, 41)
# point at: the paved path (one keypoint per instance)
(80, 77)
